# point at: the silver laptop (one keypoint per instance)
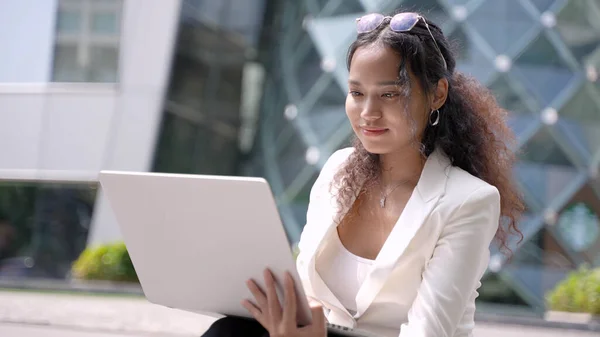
(194, 240)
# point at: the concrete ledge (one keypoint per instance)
(572, 317)
(122, 314)
(536, 321)
(74, 286)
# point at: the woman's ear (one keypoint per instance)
(440, 93)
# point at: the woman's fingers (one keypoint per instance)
(318, 316)
(259, 295)
(272, 298)
(289, 307)
(254, 311)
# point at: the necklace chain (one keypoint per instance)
(384, 196)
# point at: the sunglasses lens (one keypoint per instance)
(404, 22)
(369, 22)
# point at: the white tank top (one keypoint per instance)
(342, 271)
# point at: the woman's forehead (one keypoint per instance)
(376, 64)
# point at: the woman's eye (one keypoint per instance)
(389, 95)
(355, 93)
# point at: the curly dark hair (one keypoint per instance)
(472, 129)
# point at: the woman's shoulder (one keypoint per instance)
(462, 185)
(335, 162)
(338, 158)
(327, 173)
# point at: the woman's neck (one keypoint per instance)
(401, 167)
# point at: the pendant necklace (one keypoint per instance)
(385, 195)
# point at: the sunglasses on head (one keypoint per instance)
(401, 22)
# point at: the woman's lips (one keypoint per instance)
(373, 131)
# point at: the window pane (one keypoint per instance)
(87, 41)
(104, 63)
(68, 21)
(105, 23)
(66, 64)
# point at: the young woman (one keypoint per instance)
(399, 226)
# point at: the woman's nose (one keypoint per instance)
(371, 111)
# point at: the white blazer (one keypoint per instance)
(425, 278)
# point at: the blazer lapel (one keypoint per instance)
(429, 189)
(339, 314)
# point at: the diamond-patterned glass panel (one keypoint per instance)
(542, 70)
(592, 70)
(508, 97)
(578, 26)
(291, 158)
(542, 149)
(537, 266)
(429, 8)
(583, 107)
(458, 2)
(580, 121)
(543, 5)
(554, 114)
(544, 182)
(470, 60)
(376, 5)
(341, 7)
(328, 114)
(276, 120)
(308, 70)
(521, 124)
(583, 137)
(501, 23)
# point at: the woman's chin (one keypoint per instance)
(375, 149)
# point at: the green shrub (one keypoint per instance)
(110, 262)
(578, 292)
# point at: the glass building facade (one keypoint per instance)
(214, 89)
(263, 94)
(257, 87)
(540, 58)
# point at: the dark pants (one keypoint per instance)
(232, 326)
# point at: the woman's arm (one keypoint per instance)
(454, 271)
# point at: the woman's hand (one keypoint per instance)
(281, 322)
